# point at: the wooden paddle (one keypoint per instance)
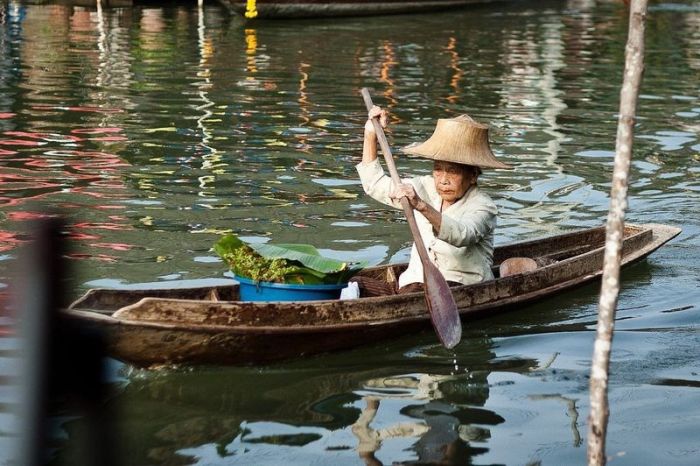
(438, 297)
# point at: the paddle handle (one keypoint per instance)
(389, 158)
(438, 297)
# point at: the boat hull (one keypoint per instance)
(166, 330)
(283, 9)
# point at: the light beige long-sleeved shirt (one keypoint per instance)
(463, 248)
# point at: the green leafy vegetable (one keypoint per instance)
(283, 263)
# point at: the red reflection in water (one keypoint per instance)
(82, 236)
(24, 216)
(6, 201)
(98, 257)
(20, 142)
(60, 168)
(4, 116)
(79, 160)
(9, 241)
(18, 179)
(45, 163)
(68, 206)
(44, 136)
(113, 246)
(102, 226)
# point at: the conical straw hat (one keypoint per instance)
(460, 140)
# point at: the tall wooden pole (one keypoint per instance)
(634, 67)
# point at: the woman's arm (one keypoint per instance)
(374, 181)
(369, 147)
(369, 155)
(471, 227)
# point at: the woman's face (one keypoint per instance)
(452, 180)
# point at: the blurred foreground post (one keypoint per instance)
(63, 363)
(634, 67)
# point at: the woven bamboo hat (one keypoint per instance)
(460, 140)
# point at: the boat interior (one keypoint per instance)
(509, 260)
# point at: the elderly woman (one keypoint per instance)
(455, 218)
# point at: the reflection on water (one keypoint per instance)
(158, 127)
(244, 120)
(354, 412)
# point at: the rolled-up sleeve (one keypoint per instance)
(472, 227)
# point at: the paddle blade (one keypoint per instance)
(442, 307)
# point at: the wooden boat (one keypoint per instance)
(208, 325)
(339, 8)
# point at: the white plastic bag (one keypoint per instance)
(352, 291)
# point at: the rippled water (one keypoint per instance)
(156, 128)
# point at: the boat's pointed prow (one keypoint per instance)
(662, 232)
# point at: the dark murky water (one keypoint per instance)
(156, 128)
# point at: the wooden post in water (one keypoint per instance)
(634, 67)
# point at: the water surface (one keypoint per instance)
(157, 128)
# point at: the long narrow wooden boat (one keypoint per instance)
(208, 325)
(339, 8)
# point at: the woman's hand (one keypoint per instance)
(407, 191)
(374, 112)
(369, 146)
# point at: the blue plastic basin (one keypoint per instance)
(251, 290)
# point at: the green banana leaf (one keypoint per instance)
(304, 253)
(227, 244)
(303, 264)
